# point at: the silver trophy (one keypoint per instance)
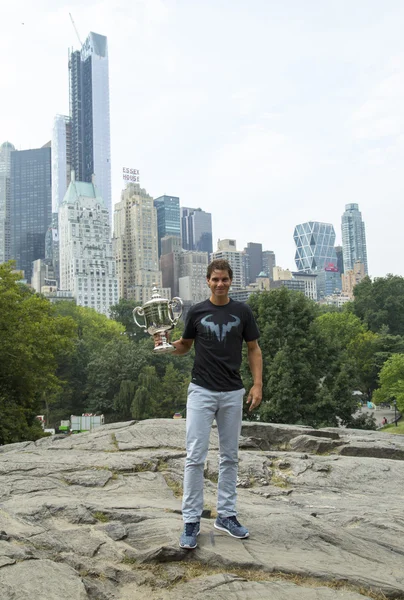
(159, 317)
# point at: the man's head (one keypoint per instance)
(219, 276)
(219, 265)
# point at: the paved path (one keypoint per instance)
(379, 413)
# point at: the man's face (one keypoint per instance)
(219, 283)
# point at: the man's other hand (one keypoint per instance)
(254, 397)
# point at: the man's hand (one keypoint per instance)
(255, 396)
(158, 339)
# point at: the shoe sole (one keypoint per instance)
(238, 537)
(190, 547)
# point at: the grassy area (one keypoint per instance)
(393, 429)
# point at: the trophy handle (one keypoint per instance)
(138, 310)
(178, 302)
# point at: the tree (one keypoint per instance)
(116, 361)
(340, 328)
(32, 338)
(123, 313)
(92, 332)
(124, 398)
(139, 403)
(380, 303)
(293, 358)
(391, 382)
(172, 393)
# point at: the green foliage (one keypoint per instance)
(339, 328)
(380, 303)
(309, 375)
(62, 359)
(362, 421)
(391, 382)
(124, 398)
(293, 358)
(123, 314)
(172, 393)
(32, 339)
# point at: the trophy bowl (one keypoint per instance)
(159, 317)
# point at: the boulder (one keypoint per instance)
(98, 516)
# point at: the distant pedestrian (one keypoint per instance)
(384, 421)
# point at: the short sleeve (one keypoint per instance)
(189, 332)
(250, 329)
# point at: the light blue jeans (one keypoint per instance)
(202, 407)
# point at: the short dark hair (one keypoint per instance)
(219, 265)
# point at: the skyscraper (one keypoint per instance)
(61, 159)
(5, 167)
(268, 263)
(89, 113)
(30, 206)
(135, 245)
(253, 261)
(170, 263)
(192, 280)
(196, 229)
(168, 217)
(227, 250)
(315, 253)
(87, 265)
(353, 237)
(314, 246)
(340, 258)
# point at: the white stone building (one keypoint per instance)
(227, 250)
(136, 245)
(87, 265)
(192, 281)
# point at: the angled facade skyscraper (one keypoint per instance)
(353, 237)
(89, 113)
(315, 253)
(315, 246)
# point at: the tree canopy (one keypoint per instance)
(380, 303)
(32, 340)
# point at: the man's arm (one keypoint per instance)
(181, 346)
(255, 362)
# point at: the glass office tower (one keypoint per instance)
(5, 159)
(30, 206)
(353, 237)
(196, 230)
(168, 218)
(89, 113)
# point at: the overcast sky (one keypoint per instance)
(266, 113)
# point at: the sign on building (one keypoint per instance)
(131, 175)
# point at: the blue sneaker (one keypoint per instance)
(188, 536)
(231, 526)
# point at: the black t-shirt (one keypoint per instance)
(219, 332)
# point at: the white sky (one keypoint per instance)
(267, 113)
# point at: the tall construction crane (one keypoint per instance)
(75, 29)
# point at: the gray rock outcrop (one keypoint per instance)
(98, 516)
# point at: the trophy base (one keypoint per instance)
(164, 349)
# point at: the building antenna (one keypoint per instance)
(75, 29)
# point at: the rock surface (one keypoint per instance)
(98, 516)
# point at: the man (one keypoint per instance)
(218, 327)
